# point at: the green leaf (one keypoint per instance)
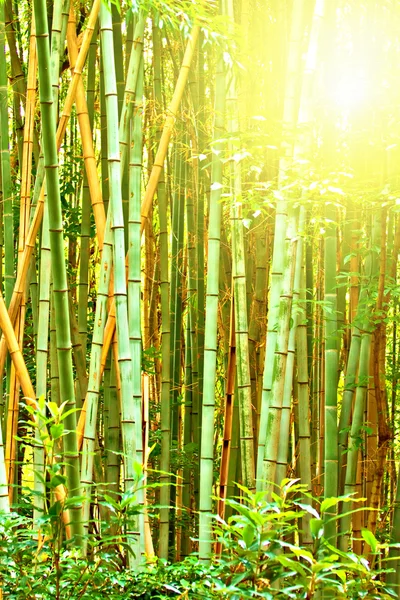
(307, 508)
(328, 503)
(342, 575)
(57, 480)
(110, 500)
(316, 528)
(56, 431)
(248, 535)
(291, 564)
(55, 509)
(53, 408)
(371, 540)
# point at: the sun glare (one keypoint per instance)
(349, 91)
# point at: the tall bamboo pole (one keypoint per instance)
(64, 351)
(165, 412)
(128, 427)
(134, 285)
(239, 288)
(331, 369)
(9, 276)
(210, 343)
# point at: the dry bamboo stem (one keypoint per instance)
(86, 135)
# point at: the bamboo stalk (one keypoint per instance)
(128, 414)
(60, 292)
(210, 344)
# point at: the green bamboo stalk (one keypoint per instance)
(64, 25)
(176, 305)
(192, 351)
(128, 427)
(393, 579)
(187, 440)
(284, 434)
(250, 269)
(42, 350)
(309, 305)
(130, 26)
(88, 446)
(134, 283)
(357, 421)
(240, 291)
(9, 275)
(350, 386)
(105, 190)
(273, 432)
(190, 471)
(255, 324)
(19, 81)
(57, 47)
(118, 54)
(210, 344)
(130, 87)
(4, 501)
(316, 376)
(304, 404)
(203, 188)
(112, 434)
(78, 355)
(331, 369)
(364, 321)
(165, 411)
(17, 25)
(54, 374)
(232, 490)
(119, 74)
(34, 296)
(230, 388)
(58, 261)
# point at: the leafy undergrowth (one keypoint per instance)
(265, 555)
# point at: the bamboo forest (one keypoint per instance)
(200, 299)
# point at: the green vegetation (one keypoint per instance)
(261, 558)
(199, 303)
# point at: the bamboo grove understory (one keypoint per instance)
(199, 237)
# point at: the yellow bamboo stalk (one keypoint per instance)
(80, 63)
(25, 206)
(86, 134)
(16, 354)
(22, 375)
(12, 426)
(169, 124)
(27, 150)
